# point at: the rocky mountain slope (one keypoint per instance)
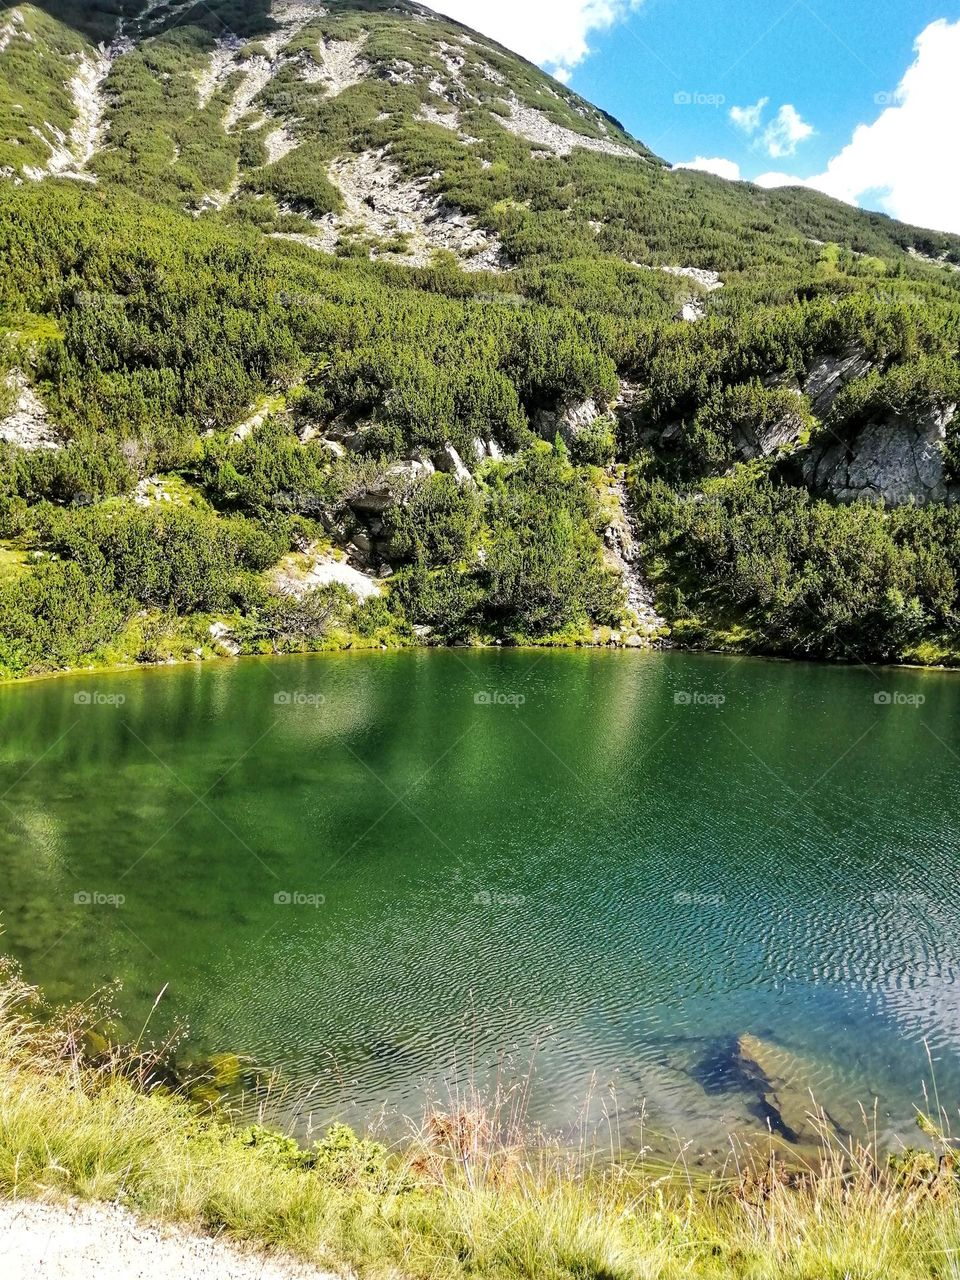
(419, 343)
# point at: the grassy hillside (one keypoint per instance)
(283, 264)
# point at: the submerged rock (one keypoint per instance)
(801, 1103)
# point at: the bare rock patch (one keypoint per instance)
(27, 424)
(380, 203)
(536, 127)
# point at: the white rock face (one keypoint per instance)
(150, 492)
(382, 203)
(278, 143)
(256, 419)
(449, 461)
(69, 156)
(708, 280)
(258, 71)
(694, 308)
(13, 28)
(327, 571)
(624, 554)
(339, 65)
(223, 638)
(221, 62)
(528, 122)
(27, 425)
(394, 486)
(569, 420)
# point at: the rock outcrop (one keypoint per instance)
(898, 459)
(623, 553)
(323, 571)
(536, 127)
(449, 461)
(69, 155)
(338, 65)
(27, 425)
(831, 373)
(391, 487)
(569, 421)
(386, 207)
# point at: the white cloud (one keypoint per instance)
(905, 162)
(545, 31)
(715, 165)
(786, 132)
(749, 118)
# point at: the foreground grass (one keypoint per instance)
(456, 1202)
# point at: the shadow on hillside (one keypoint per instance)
(101, 19)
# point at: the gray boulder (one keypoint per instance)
(897, 460)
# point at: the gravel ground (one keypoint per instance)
(81, 1241)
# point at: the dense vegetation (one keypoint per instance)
(153, 320)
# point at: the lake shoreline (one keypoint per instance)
(220, 659)
(98, 1161)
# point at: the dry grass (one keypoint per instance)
(465, 1197)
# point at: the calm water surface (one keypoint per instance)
(612, 865)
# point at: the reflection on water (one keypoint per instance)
(694, 886)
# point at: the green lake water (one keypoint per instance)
(388, 875)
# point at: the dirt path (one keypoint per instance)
(80, 1242)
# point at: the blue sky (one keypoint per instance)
(770, 89)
